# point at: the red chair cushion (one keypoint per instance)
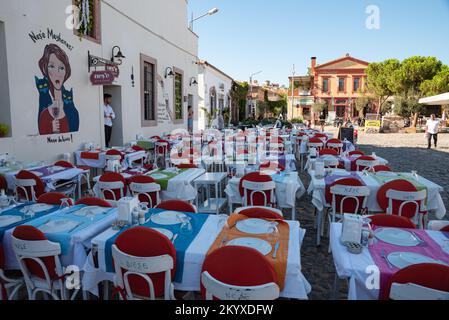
(258, 199)
(260, 213)
(177, 205)
(145, 242)
(384, 220)
(53, 198)
(334, 141)
(331, 152)
(400, 185)
(94, 202)
(349, 204)
(3, 183)
(114, 177)
(433, 276)
(362, 158)
(29, 233)
(39, 189)
(64, 164)
(382, 168)
(144, 180)
(238, 266)
(356, 152)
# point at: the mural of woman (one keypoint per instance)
(57, 111)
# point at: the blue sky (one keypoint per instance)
(247, 36)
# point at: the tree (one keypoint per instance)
(239, 96)
(438, 85)
(380, 79)
(362, 102)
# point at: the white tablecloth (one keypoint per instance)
(435, 203)
(80, 243)
(348, 164)
(287, 192)
(304, 149)
(100, 163)
(356, 267)
(296, 285)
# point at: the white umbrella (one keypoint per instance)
(442, 99)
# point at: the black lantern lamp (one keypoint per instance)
(193, 81)
(118, 57)
(169, 72)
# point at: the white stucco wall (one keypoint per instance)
(208, 78)
(135, 26)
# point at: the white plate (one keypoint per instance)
(254, 226)
(158, 176)
(165, 232)
(39, 174)
(397, 237)
(167, 218)
(9, 220)
(90, 211)
(403, 260)
(59, 226)
(36, 208)
(260, 245)
(386, 174)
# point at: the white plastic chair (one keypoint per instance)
(9, 286)
(368, 164)
(348, 193)
(141, 267)
(408, 198)
(25, 185)
(36, 251)
(411, 291)
(254, 188)
(222, 291)
(144, 190)
(109, 188)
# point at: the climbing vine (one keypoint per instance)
(86, 18)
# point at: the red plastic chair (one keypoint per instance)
(112, 186)
(261, 194)
(335, 144)
(64, 164)
(356, 153)
(350, 205)
(94, 202)
(315, 143)
(272, 166)
(260, 213)
(53, 198)
(385, 220)
(146, 189)
(3, 183)
(29, 193)
(134, 243)
(115, 153)
(177, 205)
(382, 168)
(245, 267)
(399, 185)
(327, 151)
(416, 282)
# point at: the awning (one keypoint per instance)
(442, 99)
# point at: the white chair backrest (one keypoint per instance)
(369, 164)
(141, 267)
(315, 145)
(406, 198)
(110, 187)
(26, 185)
(222, 291)
(257, 188)
(411, 291)
(113, 158)
(331, 162)
(277, 211)
(349, 193)
(35, 251)
(338, 146)
(144, 190)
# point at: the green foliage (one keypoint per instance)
(362, 102)
(86, 29)
(406, 106)
(297, 120)
(318, 107)
(210, 116)
(239, 95)
(438, 85)
(4, 130)
(380, 78)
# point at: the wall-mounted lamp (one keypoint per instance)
(169, 72)
(193, 81)
(118, 57)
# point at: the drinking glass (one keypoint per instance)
(65, 204)
(273, 235)
(186, 226)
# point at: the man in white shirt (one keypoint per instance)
(109, 115)
(432, 130)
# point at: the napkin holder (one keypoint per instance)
(352, 229)
(125, 208)
(313, 153)
(320, 171)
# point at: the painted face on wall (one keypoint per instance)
(56, 72)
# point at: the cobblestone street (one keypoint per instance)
(405, 152)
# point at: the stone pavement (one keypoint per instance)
(405, 153)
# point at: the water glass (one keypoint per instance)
(273, 234)
(186, 226)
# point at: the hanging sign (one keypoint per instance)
(113, 68)
(100, 78)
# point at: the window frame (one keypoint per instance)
(359, 84)
(150, 60)
(181, 73)
(342, 78)
(97, 24)
(328, 84)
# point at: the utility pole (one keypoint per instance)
(293, 88)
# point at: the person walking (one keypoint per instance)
(109, 116)
(432, 130)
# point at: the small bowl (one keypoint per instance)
(354, 248)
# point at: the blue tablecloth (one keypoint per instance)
(16, 212)
(64, 238)
(181, 244)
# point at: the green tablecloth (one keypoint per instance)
(146, 144)
(163, 182)
(384, 179)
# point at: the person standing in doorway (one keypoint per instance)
(190, 120)
(109, 116)
(432, 130)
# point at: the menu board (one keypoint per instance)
(346, 133)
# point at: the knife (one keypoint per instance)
(276, 248)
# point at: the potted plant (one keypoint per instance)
(4, 130)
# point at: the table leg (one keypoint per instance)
(319, 218)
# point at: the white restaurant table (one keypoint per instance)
(287, 192)
(317, 189)
(100, 163)
(80, 243)
(355, 267)
(347, 162)
(296, 285)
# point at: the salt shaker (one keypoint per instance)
(142, 219)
